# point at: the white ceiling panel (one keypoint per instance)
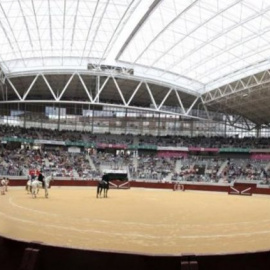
(196, 44)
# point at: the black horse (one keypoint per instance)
(103, 185)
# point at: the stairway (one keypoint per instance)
(91, 163)
(75, 174)
(178, 166)
(135, 160)
(39, 135)
(222, 167)
(267, 166)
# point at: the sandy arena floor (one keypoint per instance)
(138, 220)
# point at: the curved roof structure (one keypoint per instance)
(195, 45)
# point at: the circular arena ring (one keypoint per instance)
(156, 222)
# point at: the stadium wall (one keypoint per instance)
(142, 184)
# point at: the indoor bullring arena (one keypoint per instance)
(134, 134)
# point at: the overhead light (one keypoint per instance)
(109, 68)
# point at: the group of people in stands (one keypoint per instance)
(19, 161)
(177, 141)
(142, 167)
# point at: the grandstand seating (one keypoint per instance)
(139, 155)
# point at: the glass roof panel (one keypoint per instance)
(200, 43)
(209, 36)
(58, 28)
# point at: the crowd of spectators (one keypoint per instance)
(207, 142)
(222, 170)
(154, 167)
(146, 167)
(19, 160)
(175, 141)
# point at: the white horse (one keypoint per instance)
(28, 186)
(4, 186)
(34, 186)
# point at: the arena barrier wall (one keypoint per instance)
(22, 255)
(144, 184)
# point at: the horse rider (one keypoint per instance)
(103, 185)
(41, 178)
(105, 179)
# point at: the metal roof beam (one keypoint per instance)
(151, 95)
(66, 86)
(134, 93)
(50, 22)
(240, 85)
(14, 36)
(194, 102)
(162, 31)
(164, 99)
(113, 36)
(74, 23)
(26, 24)
(93, 73)
(30, 88)
(85, 88)
(97, 28)
(64, 28)
(138, 26)
(100, 89)
(180, 101)
(218, 36)
(193, 31)
(89, 30)
(37, 27)
(50, 88)
(119, 91)
(14, 88)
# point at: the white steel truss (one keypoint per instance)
(242, 85)
(96, 96)
(248, 97)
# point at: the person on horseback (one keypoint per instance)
(41, 178)
(105, 179)
(103, 185)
